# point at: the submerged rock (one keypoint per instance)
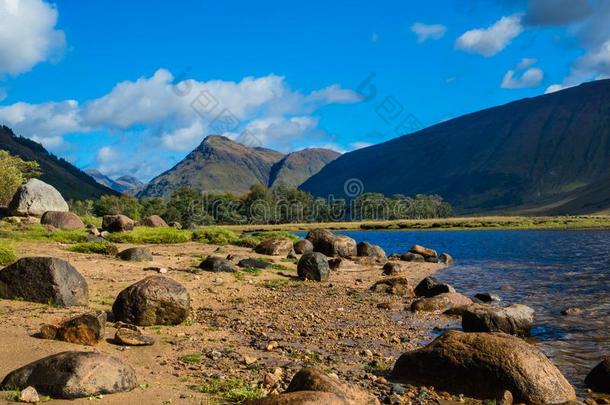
(313, 266)
(44, 279)
(155, 300)
(71, 375)
(35, 198)
(516, 319)
(484, 365)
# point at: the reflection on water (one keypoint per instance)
(547, 270)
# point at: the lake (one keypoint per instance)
(547, 270)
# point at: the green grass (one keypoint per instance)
(7, 253)
(253, 239)
(377, 366)
(151, 235)
(102, 248)
(191, 358)
(91, 220)
(215, 236)
(277, 266)
(39, 232)
(231, 391)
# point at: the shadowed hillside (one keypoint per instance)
(529, 152)
(71, 182)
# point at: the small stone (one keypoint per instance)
(29, 395)
(132, 337)
(248, 360)
(272, 345)
(398, 389)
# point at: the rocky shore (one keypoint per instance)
(318, 321)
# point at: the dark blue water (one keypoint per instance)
(547, 270)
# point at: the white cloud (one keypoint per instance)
(489, 41)
(523, 76)
(45, 120)
(156, 114)
(359, 145)
(425, 32)
(28, 35)
(555, 87)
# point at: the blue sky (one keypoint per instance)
(133, 87)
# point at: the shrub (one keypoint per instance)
(103, 248)
(15, 172)
(7, 253)
(215, 236)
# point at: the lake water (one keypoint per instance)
(547, 270)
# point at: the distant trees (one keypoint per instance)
(14, 172)
(285, 204)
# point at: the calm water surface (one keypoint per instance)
(547, 270)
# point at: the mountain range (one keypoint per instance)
(124, 184)
(547, 154)
(219, 164)
(71, 182)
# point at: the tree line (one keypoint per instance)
(261, 205)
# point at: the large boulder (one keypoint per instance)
(70, 375)
(218, 265)
(117, 223)
(365, 249)
(274, 247)
(86, 329)
(430, 286)
(313, 266)
(154, 221)
(303, 246)
(393, 268)
(36, 197)
(62, 220)
(441, 302)
(598, 378)
(136, 254)
(312, 379)
(516, 319)
(155, 300)
(44, 279)
(331, 245)
(484, 365)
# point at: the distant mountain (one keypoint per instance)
(545, 154)
(125, 184)
(296, 167)
(71, 182)
(129, 184)
(219, 164)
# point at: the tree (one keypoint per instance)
(14, 172)
(113, 205)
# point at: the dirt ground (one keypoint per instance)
(242, 327)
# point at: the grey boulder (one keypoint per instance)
(218, 265)
(516, 319)
(313, 266)
(71, 375)
(36, 197)
(45, 280)
(136, 254)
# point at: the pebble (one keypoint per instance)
(398, 389)
(29, 395)
(249, 360)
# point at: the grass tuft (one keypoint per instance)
(151, 235)
(7, 253)
(232, 391)
(215, 236)
(102, 248)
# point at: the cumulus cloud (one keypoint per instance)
(359, 145)
(489, 41)
(523, 76)
(160, 114)
(28, 35)
(425, 32)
